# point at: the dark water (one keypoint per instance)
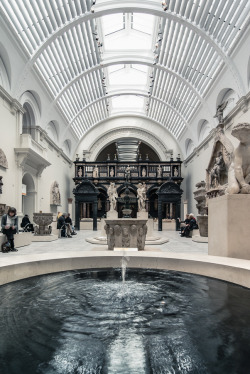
(84, 322)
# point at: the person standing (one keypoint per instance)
(9, 225)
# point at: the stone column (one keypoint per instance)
(171, 210)
(95, 216)
(77, 215)
(84, 210)
(159, 215)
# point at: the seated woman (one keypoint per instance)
(190, 226)
(9, 225)
(26, 224)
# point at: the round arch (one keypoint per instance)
(28, 197)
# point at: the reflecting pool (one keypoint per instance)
(130, 322)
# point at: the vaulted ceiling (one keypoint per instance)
(104, 58)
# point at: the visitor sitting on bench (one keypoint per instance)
(184, 223)
(26, 224)
(68, 220)
(63, 227)
(190, 226)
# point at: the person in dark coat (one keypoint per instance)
(185, 222)
(62, 225)
(26, 224)
(68, 220)
(9, 225)
(190, 226)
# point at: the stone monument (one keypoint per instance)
(229, 213)
(202, 218)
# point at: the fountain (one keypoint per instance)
(91, 322)
(42, 232)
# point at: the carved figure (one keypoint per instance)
(112, 173)
(79, 172)
(125, 237)
(127, 173)
(220, 110)
(159, 171)
(3, 159)
(239, 173)
(143, 173)
(55, 196)
(141, 194)
(217, 170)
(95, 172)
(112, 193)
(176, 172)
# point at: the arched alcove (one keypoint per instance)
(53, 129)
(29, 121)
(28, 196)
(5, 69)
(189, 146)
(203, 129)
(67, 147)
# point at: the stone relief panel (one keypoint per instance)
(3, 160)
(55, 196)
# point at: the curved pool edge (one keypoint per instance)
(227, 269)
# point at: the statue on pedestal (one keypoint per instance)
(159, 171)
(220, 110)
(127, 173)
(95, 172)
(141, 194)
(112, 193)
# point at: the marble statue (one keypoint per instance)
(95, 172)
(55, 196)
(79, 172)
(141, 194)
(127, 173)
(217, 170)
(239, 173)
(159, 171)
(3, 159)
(112, 193)
(112, 173)
(176, 172)
(143, 173)
(219, 111)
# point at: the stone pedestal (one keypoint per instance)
(126, 233)
(203, 225)
(228, 226)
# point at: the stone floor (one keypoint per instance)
(176, 244)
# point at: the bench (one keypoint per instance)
(21, 239)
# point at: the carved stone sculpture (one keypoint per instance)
(159, 171)
(141, 194)
(200, 197)
(219, 111)
(55, 196)
(3, 160)
(43, 220)
(239, 175)
(95, 172)
(112, 193)
(217, 171)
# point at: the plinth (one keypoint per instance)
(228, 226)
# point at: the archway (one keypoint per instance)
(28, 195)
